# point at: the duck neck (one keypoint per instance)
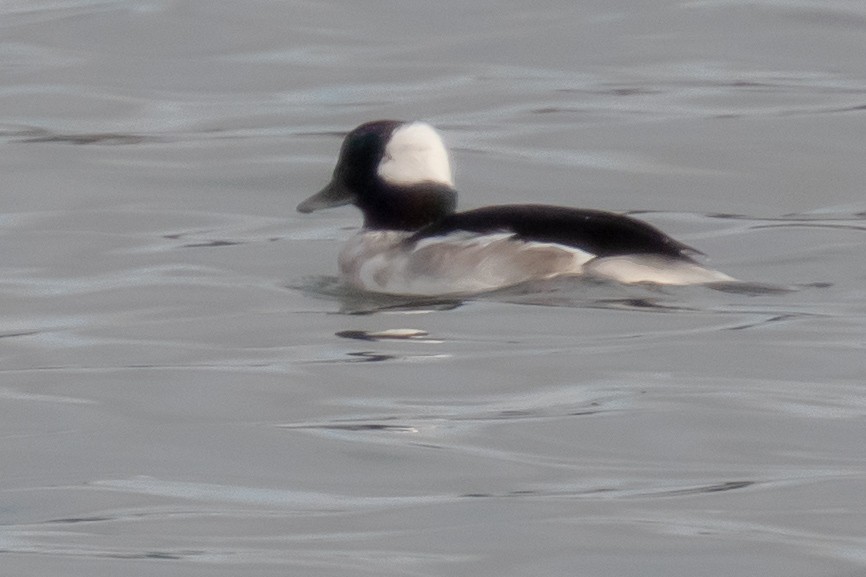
(407, 207)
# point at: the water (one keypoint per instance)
(185, 387)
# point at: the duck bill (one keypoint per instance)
(334, 194)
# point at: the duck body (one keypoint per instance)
(415, 243)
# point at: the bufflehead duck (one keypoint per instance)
(415, 243)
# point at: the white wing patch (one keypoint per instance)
(414, 154)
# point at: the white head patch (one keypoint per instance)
(415, 153)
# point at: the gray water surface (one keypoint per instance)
(187, 389)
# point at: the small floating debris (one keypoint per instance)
(387, 334)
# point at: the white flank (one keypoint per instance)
(462, 263)
(632, 269)
(414, 154)
(466, 263)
